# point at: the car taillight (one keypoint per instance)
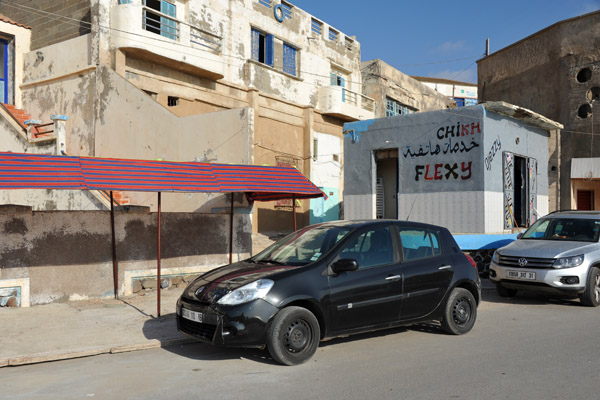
(473, 263)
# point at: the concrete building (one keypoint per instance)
(463, 93)
(478, 169)
(396, 93)
(556, 72)
(250, 81)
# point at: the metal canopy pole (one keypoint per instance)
(114, 247)
(294, 209)
(158, 260)
(231, 231)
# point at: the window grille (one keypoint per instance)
(287, 9)
(266, 3)
(349, 43)
(333, 35)
(316, 26)
(289, 59)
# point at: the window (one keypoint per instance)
(393, 108)
(266, 3)
(371, 248)
(172, 101)
(287, 9)
(262, 47)
(163, 24)
(349, 43)
(419, 243)
(4, 71)
(333, 35)
(316, 26)
(289, 59)
(124, 1)
(337, 78)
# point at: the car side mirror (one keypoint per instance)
(344, 265)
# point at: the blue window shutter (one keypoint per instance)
(255, 44)
(269, 50)
(4, 71)
(342, 82)
(167, 8)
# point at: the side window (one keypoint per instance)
(262, 47)
(419, 243)
(370, 249)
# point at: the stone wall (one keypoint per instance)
(67, 255)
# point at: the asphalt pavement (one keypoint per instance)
(60, 331)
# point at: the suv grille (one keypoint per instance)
(532, 262)
(203, 331)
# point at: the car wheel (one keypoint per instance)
(294, 336)
(591, 296)
(460, 312)
(505, 292)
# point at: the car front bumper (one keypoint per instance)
(244, 325)
(548, 280)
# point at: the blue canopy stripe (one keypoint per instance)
(265, 183)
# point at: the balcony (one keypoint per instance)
(345, 104)
(148, 34)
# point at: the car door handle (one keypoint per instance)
(445, 267)
(393, 278)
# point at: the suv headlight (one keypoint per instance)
(496, 258)
(568, 262)
(252, 291)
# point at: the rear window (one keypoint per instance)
(419, 243)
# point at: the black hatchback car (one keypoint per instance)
(331, 279)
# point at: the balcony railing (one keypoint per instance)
(357, 99)
(164, 25)
(345, 104)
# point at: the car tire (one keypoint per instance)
(591, 296)
(293, 336)
(460, 312)
(505, 292)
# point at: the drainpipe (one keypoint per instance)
(60, 130)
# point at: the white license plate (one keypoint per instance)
(521, 275)
(191, 315)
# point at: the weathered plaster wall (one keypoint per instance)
(20, 39)
(540, 73)
(69, 255)
(380, 80)
(58, 20)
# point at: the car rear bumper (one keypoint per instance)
(546, 280)
(228, 326)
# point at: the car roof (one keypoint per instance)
(365, 222)
(574, 214)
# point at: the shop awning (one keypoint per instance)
(264, 183)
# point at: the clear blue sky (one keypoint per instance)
(420, 37)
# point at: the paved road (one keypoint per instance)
(527, 348)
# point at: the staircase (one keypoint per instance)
(38, 131)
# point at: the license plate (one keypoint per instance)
(521, 275)
(191, 315)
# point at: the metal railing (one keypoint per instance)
(357, 99)
(164, 25)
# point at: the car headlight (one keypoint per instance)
(568, 262)
(496, 258)
(252, 291)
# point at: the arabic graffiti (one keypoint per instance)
(447, 144)
(497, 145)
(446, 148)
(438, 172)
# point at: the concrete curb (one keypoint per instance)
(91, 351)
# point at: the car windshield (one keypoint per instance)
(304, 246)
(572, 229)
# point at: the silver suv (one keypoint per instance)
(558, 254)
